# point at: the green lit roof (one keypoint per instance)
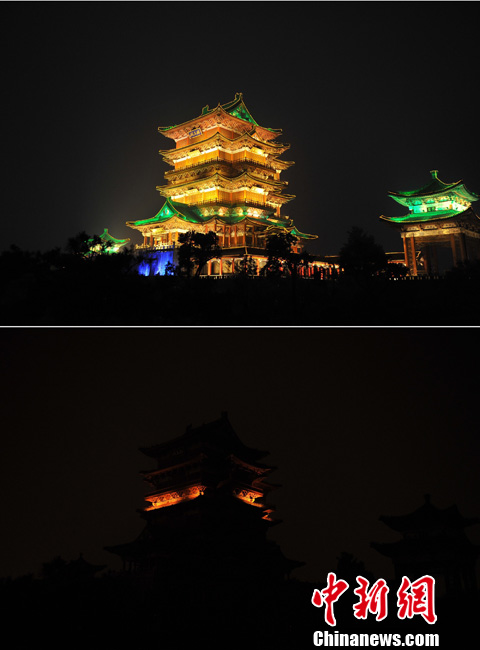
(421, 217)
(111, 244)
(107, 237)
(302, 235)
(190, 214)
(289, 227)
(236, 108)
(433, 188)
(168, 210)
(435, 201)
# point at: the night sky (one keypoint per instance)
(370, 96)
(359, 423)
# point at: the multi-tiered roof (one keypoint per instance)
(206, 461)
(433, 201)
(206, 508)
(225, 178)
(433, 542)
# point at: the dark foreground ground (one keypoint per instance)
(58, 298)
(111, 612)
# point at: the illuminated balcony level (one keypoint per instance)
(443, 204)
(173, 497)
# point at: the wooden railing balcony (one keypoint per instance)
(156, 247)
(229, 163)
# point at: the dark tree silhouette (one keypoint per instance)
(80, 244)
(54, 570)
(361, 255)
(88, 245)
(281, 256)
(245, 266)
(196, 250)
(395, 270)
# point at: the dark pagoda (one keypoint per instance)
(206, 516)
(433, 543)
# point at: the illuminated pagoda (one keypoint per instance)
(225, 179)
(439, 215)
(433, 543)
(206, 516)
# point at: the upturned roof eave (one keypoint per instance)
(269, 222)
(178, 210)
(434, 188)
(212, 432)
(268, 143)
(228, 107)
(165, 129)
(428, 516)
(432, 216)
(113, 240)
(276, 185)
(291, 228)
(406, 220)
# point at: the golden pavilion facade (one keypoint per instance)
(224, 177)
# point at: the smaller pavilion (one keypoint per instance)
(106, 243)
(112, 244)
(439, 216)
(433, 543)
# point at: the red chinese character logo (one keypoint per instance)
(373, 600)
(419, 600)
(329, 595)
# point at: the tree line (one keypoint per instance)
(82, 285)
